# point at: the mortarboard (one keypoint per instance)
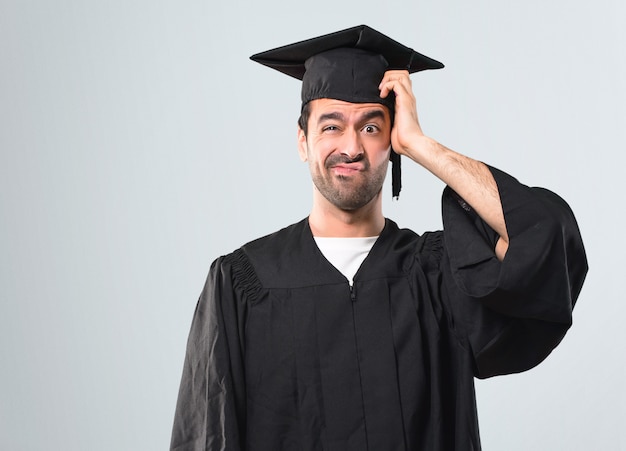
(347, 65)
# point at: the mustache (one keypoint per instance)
(336, 159)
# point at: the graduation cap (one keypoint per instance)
(347, 65)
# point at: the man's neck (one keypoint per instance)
(326, 220)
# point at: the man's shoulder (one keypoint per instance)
(278, 241)
(423, 242)
(250, 263)
(279, 246)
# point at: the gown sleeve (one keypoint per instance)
(210, 412)
(512, 313)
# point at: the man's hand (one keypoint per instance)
(406, 131)
(471, 179)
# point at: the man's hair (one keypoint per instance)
(303, 120)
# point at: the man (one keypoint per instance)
(345, 333)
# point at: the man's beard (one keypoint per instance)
(349, 193)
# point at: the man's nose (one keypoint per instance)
(352, 146)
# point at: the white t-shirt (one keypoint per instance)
(346, 254)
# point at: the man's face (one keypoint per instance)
(347, 148)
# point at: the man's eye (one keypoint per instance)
(370, 129)
(330, 128)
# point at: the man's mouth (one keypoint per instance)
(347, 168)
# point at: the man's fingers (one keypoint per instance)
(396, 86)
(395, 80)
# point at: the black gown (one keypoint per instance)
(284, 355)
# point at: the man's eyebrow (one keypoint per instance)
(373, 114)
(333, 116)
(337, 116)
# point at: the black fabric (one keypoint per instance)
(351, 75)
(290, 59)
(346, 65)
(284, 356)
(396, 174)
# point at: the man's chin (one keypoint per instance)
(351, 202)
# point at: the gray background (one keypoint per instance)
(138, 143)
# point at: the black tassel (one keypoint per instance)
(396, 175)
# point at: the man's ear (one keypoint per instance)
(302, 145)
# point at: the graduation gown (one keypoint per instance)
(284, 355)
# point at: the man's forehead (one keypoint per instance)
(321, 109)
